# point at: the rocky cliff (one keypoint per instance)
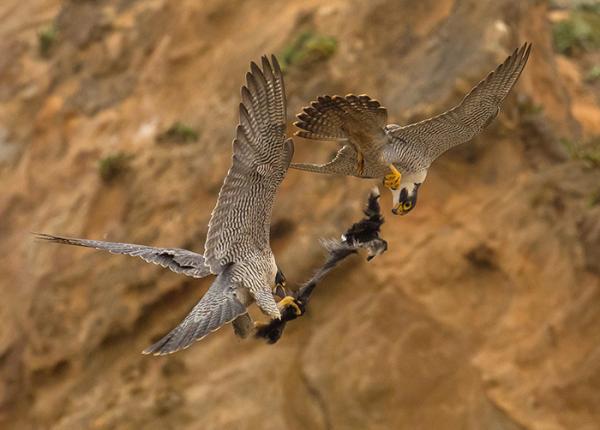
(116, 119)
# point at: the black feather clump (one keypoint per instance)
(363, 234)
(368, 228)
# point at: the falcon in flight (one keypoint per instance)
(372, 147)
(237, 248)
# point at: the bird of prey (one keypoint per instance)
(237, 248)
(372, 148)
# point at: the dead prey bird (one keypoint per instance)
(237, 247)
(363, 234)
(372, 148)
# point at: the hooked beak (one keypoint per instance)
(397, 207)
(397, 210)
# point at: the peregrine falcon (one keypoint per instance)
(237, 247)
(372, 147)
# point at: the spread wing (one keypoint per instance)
(461, 123)
(178, 260)
(240, 222)
(219, 306)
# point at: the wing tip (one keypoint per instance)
(276, 65)
(521, 54)
(45, 237)
(179, 343)
(289, 150)
(527, 48)
(169, 344)
(41, 236)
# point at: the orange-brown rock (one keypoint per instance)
(483, 314)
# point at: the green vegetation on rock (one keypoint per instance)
(588, 151)
(113, 166)
(178, 133)
(593, 74)
(580, 32)
(47, 39)
(307, 48)
(594, 199)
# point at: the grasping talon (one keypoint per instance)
(280, 291)
(289, 301)
(392, 180)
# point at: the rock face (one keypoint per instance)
(484, 313)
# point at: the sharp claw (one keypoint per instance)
(289, 301)
(392, 180)
(280, 291)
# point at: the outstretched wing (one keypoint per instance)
(461, 123)
(344, 164)
(240, 222)
(218, 307)
(178, 260)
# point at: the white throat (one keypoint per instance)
(408, 181)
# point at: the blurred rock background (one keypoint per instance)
(116, 119)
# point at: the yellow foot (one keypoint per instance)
(361, 163)
(289, 301)
(392, 181)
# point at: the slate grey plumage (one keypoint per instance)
(371, 146)
(237, 247)
(176, 259)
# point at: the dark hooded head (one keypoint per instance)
(407, 198)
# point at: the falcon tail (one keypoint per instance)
(328, 117)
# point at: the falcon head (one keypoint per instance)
(405, 198)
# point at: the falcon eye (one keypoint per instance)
(407, 205)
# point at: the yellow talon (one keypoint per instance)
(392, 180)
(289, 301)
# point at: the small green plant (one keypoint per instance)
(587, 151)
(580, 32)
(594, 199)
(113, 166)
(593, 75)
(47, 39)
(528, 107)
(307, 48)
(178, 133)
(591, 152)
(590, 6)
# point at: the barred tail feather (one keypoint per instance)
(329, 118)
